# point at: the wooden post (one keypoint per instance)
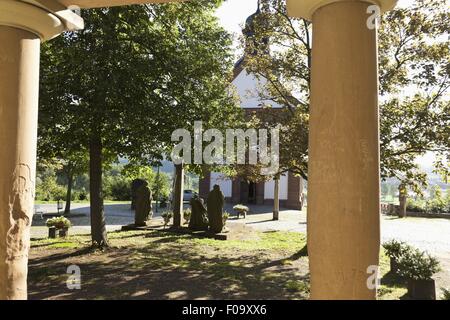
(276, 199)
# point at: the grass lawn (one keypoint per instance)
(162, 265)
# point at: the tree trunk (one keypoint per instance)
(69, 191)
(178, 196)
(276, 199)
(98, 223)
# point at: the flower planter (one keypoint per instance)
(394, 265)
(52, 233)
(63, 232)
(422, 289)
(241, 212)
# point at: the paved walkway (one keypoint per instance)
(432, 235)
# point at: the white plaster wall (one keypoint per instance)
(269, 188)
(224, 183)
(248, 88)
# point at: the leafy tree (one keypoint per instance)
(414, 83)
(135, 74)
(161, 186)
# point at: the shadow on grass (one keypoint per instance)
(160, 267)
(393, 282)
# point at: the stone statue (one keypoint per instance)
(135, 184)
(199, 220)
(143, 211)
(215, 204)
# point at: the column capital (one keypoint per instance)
(46, 19)
(306, 8)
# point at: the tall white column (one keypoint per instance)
(344, 177)
(19, 79)
(22, 27)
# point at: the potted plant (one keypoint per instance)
(225, 217)
(241, 209)
(394, 250)
(167, 216)
(417, 268)
(52, 232)
(61, 224)
(187, 215)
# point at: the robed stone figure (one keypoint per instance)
(143, 211)
(215, 204)
(199, 220)
(135, 184)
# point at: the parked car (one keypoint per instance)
(188, 194)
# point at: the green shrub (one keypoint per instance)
(415, 205)
(161, 186)
(58, 222)
(395, 249)
(49, 190)
(120, 190)
(436, 206)
(417, 265)
(80, 195)
(445, 294)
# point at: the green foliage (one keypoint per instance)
(134, 171)
(123, 84)
(445, 294)
(417, 265)
(436, 203)
(133, 76)
(161, 186)
(49, 190)
(414, 51)
(58, 222)
(416, 205)
(395, 249)
(81, 195)
(120, 190)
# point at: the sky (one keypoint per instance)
(233, 13)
